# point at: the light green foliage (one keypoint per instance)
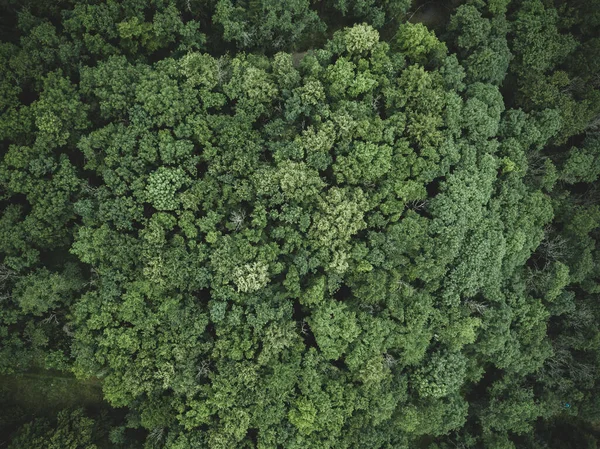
(360, 38)
(339, 217)
(162, 187)
(558, 280)
(251, 87)
(251, 277)
(419, 44)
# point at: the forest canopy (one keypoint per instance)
(301, 224)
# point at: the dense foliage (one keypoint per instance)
(296, 225)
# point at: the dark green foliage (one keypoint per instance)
(376, 13)
(269, 25)
(481, 43)
(548, 64)
(374, 243)
(72, 431)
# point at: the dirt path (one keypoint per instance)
(432, 13)
(42, 394)
(39, 391)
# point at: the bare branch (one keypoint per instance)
(50, 319)
(476, 307)
(237, 219)
(389, 360)
(203, 369)
(6, 273)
